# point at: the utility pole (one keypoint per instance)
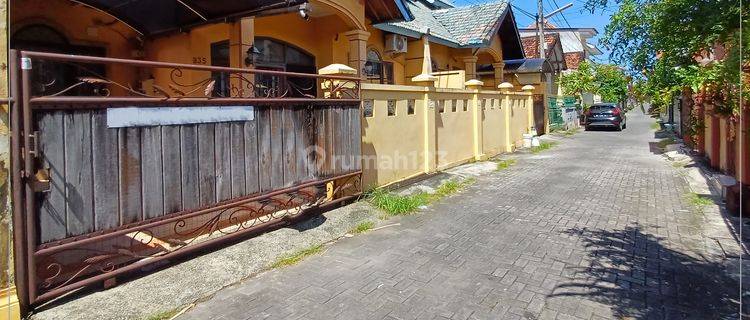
(540, 28)
(540, 18)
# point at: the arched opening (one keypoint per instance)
(49, 77)
(281, 56)
(376, 69)
(271, 54)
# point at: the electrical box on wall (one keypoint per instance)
(395, 43)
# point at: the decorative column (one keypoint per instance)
(530, 107)
(499, 68)
(242, 37)
(427, 80)
(470, 66)
(357, 49)
(505, 88)
(476, 114)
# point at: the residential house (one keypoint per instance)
(574, 41)
(394, 81)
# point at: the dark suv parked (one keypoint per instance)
(605, 115)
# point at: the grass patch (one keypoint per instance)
(395, 204)
(504, 164)
(450, 187)
(165, 315)
(544, 145)
(296, 257)
(655, 126)
(663, 143)
(362, 227)
(698, 201)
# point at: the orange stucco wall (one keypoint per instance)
(81, 26)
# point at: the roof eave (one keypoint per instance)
(415, 34)
(408, 16)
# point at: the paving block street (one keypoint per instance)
(598, 227)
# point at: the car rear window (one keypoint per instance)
(600, 109)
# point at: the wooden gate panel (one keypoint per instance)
(190, 166)
(106, 181)
(151, 173)
(237, 158)
(131, 204)
(101, 201)
(252, 144)
(206, 165)
(116, 176)
(52, 217)
(172, 168)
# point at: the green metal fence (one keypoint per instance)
(556, 106)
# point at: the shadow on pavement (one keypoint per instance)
(637, 276)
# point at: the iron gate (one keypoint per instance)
(93, 200)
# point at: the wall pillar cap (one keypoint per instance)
(528, 87)
(425, 79)
(337, 69)
(470, 59)
(357, 35)
(500, 64)
(473, 84)
(505, 86)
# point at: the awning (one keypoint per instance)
(153, 17)
(527, 66)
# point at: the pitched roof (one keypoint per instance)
(531, 44)
(462, 27)
(547, 25)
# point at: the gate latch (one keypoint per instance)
(35, 144)
(40, 181)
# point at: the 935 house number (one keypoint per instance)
(200, 60)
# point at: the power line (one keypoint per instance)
(524, 11)
(562, 14)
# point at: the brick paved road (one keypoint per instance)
(595, 228)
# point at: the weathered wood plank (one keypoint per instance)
(151, 172)
(251, 156)
(206, 163)
(346, 139)
(338, 132)
(322, 143)
(189, 166)
(264, 148)
(237, 151)
(79, 191)
(318, 127)
(356, 146)
(131, 206)
(52, 145)
(301, 143)
(277, 146)
(223, 141)
(308, 123)
(171, 168)
(289, 146)
(105, 154)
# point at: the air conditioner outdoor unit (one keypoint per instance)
(395, 43)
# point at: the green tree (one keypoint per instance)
(578, 81)
(608, 81)
(662, 41)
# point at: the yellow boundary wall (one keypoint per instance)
(408, 131)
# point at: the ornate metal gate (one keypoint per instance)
(94, 199)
